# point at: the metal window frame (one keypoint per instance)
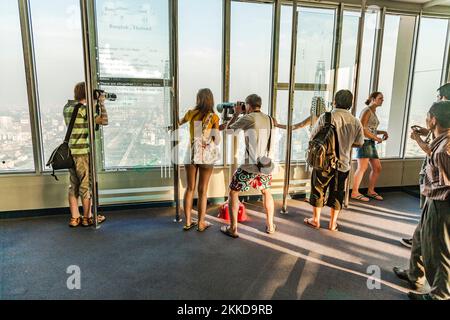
(445, 77)
(32, 87)
(287, 169)
(378, 48)
(410, 86)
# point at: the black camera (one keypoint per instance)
(227, 109)
(108, 96)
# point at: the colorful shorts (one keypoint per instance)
(243, 180)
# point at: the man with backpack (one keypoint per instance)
(329, 154)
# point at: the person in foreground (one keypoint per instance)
(257, 128)
(80, 185)
(430, 252)
(349, 133)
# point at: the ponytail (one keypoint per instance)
(372, 96)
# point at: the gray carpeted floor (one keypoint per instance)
(142, 254)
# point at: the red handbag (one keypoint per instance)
(224, 214)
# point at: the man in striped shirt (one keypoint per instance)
(432, 237)
(79, 147)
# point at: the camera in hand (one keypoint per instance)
(227, 109)
(108, 96)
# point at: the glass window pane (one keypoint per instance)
(313, 70)
(198, 40)
(393, 80)
(251, 39)
(427, 75)
(314, 61)
(55, 86)
(346, 74)
(281, 116)
(284, 60)
(302, 110)
(16, 149)
(137, 133)
(134, 43)
(133, 38)
(367, 53)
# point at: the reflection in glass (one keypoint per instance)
(137, 133)
(133, 38)
(314, 62)
(393, 80)
(251, 30)
(350, 25)
(250, 52)
(16, 149)
(367, 54)
(55, 86)
(284, 59)
(427, 75)
(198, 40)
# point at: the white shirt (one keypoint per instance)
(256, 126)
(349, 132)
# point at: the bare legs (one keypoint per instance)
(191, 177)
(363, 164)
(333, 219)
(204, 177)
(375, 165)
(203, 182)
(269, 208)
(233, 208)
(73, 205)
(315, 220)
(233, 203)
(74, 211)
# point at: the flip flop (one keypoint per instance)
(226, 231)
(268, 231)
(335, 228)
(189, 227)
(361, 197)
(207, 225)
(375, 196)
(309, 224)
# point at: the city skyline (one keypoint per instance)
(137, 134)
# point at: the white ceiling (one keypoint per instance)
(441, 2)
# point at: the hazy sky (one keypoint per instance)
(140, 29)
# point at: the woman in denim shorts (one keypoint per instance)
(368, 154)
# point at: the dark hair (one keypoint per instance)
(372, 96)
(441, 111)
(80, 91)
(343, 99)
(205, 102)
(444, 91)
(254, 101)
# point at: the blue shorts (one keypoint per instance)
(367, 151)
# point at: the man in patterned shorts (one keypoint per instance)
(257, 129)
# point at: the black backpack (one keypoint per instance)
(61, 157)
(323, 150)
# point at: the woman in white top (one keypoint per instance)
(367, 154)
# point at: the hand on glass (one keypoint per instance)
(385, 136)
(379, 140)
